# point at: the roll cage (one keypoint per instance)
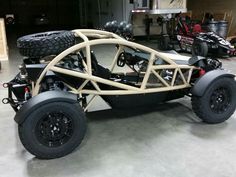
(182, 73)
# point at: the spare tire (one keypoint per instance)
(46, 43)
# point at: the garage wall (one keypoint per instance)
(78, 13)
(110, 10)
(59, 12)
(128, 6)
(215, 5)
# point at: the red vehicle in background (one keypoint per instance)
(191, 37)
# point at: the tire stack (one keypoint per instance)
(123, 29)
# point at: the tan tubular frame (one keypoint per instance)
(103, 37)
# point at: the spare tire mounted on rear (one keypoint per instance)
(45, 44)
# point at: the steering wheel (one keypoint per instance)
(121, 59)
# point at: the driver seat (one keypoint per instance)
(99, 70)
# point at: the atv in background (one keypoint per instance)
(190, 37)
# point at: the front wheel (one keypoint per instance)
(218, 102)
(53, 130)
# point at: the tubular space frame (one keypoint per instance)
(103, 37)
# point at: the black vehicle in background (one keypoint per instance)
(190, 37)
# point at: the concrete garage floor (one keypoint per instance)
(164, 141)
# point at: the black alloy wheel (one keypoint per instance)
(220, 100)
(55, 129)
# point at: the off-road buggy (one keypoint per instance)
(196, 40)
(60, 78)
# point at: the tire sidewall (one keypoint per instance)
(28, 132)
(203, 48)
(233, 42)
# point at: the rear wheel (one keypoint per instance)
(233, 42)
(53, 130)
(218, 102)
(199, 48)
